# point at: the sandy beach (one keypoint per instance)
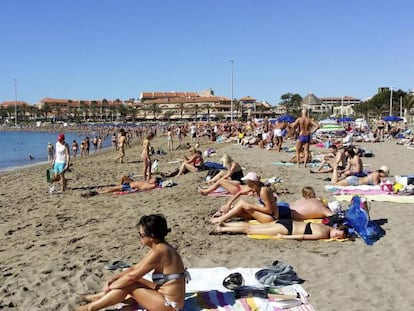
(55, 245)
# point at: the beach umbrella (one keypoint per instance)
(346, 119)
(327, 121)
(286, 118)
(392, 118)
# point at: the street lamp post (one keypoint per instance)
(231, 105)
(15, 102)
(391, 102)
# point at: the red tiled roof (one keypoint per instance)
(12, 103)
(154, 95)
(247, 98)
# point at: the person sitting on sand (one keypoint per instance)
(166, 291)
(285, 229)
(233, 170)
(127, 184)
(307, 207)
(354, 164)
(192, 164)
(264, 211)
(335, 158)
(372, 179)
(231, 186)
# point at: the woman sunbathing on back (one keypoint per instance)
(285, 229)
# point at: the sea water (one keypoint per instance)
(16, 147)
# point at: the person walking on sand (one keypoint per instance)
(170, 141)
(278, 134)
(305, 127)
(121, 146)
(75, 148)
(146, 156)
(166, 291)
(60, 162)
(50, 152)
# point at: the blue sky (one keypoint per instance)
(95, 49)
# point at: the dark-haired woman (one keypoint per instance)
(166, 291)
(285, 229)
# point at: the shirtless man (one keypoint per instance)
(309, 207)
(121, 146)
(380, 127)
(126, 183)
(278, 135)
(306, 127)
(146, 156)
(335, 158)
(354, 164)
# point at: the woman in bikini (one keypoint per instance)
(265, 210)
(193, 164)
(372, 179)
(286, 229)
(233, 170)
(146, 156)
(166, 291)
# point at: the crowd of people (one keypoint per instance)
(253, 201)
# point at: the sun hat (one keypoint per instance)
(385, 169)
(61, 137)
(251, 176)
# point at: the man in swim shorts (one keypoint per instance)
(305, 126)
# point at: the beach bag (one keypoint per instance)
(212, 172)
(358, 219)
(155, 167)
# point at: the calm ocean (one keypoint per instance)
(17, 146)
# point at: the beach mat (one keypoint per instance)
(407, 199)
(205, 292)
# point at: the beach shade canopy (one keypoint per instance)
(286, 118)
(346, 119)
(328, 121)
(392, 119)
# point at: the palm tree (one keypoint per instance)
(181, 106)
(155, 110)
(94, 109)
(84, 108)
(195, 109)
(363, 108)
(408, 104)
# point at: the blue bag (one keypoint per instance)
(357, 218)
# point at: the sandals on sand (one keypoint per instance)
(119, 264)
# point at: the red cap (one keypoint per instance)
(61, 137)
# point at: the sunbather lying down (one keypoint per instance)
(285, 229)
(126, 184)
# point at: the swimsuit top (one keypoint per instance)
(161, 279)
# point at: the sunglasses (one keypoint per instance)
(141, 235)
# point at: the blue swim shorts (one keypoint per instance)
(352, 180)
(304, 139)
(126, 187)
(58, 168)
